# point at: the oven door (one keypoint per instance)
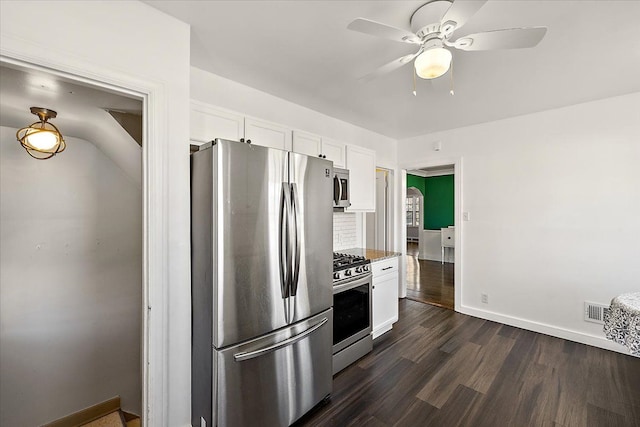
(351, 312)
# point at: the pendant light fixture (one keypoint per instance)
(42, 139)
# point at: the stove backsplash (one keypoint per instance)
(344, 231)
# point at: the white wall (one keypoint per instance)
(554, 203)
(70, 283)
(131, 45)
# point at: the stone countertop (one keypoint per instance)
(370, 254)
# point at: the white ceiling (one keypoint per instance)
(301, 51)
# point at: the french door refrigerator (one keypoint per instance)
(262, 319)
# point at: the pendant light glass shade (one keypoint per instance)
(433, 63)
(42, 140)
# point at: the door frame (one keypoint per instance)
(421, 224)
(155, 269)
(458, 209)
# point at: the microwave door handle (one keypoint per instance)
(337, 185)
(239, 357)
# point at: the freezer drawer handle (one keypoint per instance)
(239, 357)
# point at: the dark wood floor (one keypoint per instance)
(442, 368)
(429, 281)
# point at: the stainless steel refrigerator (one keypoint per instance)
(261, 247)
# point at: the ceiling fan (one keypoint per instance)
(433, 25)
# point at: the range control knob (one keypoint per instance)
(365, 268)
(347, 273)
(359, 270)
(336, 276)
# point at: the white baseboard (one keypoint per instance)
(546, 329)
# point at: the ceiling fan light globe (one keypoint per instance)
(433, 63)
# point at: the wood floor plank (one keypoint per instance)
(490, 359)
(454, 412)
(441, 386)
(602, 418)
(440, 368)
(429, 281)
(419, 414)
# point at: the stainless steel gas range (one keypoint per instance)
(352, 290)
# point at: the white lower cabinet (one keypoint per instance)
(385, 295)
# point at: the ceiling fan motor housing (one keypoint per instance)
(425, 21)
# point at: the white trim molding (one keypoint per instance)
(544, 328)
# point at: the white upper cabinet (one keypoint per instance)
(208, 123)
(362, 178)
(317, 146)
(335, 151)
(307, 143)
(267, 134)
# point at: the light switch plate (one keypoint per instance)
(466, 216)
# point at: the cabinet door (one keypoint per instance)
(307, 143)
(362, 175)
(335, 151)
(208, 122)
(385, 303)
(267, 134)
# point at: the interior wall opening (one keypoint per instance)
(430, 231)
(71, 255)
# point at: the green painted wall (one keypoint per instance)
(416, 181)
(438, 199)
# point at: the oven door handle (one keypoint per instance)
(350, 285)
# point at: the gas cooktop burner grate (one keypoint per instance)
(342, 261)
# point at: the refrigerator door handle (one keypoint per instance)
(239, 357)
(285, 246)
(297, 247)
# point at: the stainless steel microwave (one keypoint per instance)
(341, 188)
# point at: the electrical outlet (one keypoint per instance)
(484, 298)
(466, 216)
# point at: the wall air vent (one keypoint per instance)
(594, 312)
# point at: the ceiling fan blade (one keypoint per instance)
(460, 12)
(513, 38)
(377, 29)
(389, 67)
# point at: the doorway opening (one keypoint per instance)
(430, 223)
(72, 250)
